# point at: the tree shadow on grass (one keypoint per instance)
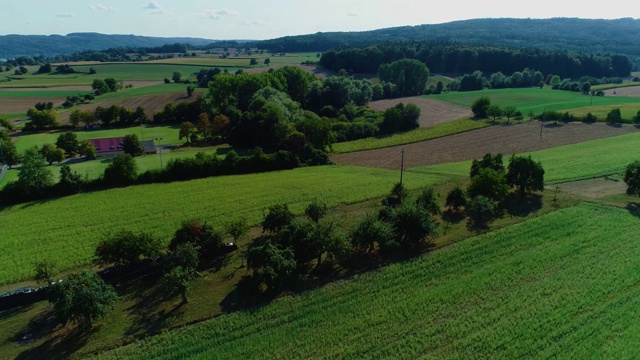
(453, 217)
(515, 205)
(64, 342)
(634, 208)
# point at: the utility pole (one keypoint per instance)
(401, 166)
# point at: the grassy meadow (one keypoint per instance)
(538, 100)
(160, 208)
(560, 285)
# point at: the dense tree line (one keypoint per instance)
(461, 58)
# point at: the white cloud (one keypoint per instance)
(352, 14)
(102, 7)
(65, 15)
(152, 6)
(218, 14)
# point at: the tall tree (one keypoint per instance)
(35, 178)
(9, 153)
(68, 142)
(122, 171)
(131, 145)
(525, 174)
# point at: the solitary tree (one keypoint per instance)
(176, 77)
(267, 61)
(131, 145)
(525, 174)
(632, 178)
(9, 154)
(509, 112)
(122, 171)
(481, 209)
(35, 178)
(316, 210)
(82, 298)
(52, 153)
(369, 232)
(614, 116)
(480, 106)
(427, 200)
(68, 142)
(237, 229)
(86, 149)
(253, 61)
(494, 111)
(412, 225)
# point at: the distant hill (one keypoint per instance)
(12, 46)
(621, 36)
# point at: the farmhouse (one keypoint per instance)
(107, 147)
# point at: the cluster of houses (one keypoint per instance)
(111, 147)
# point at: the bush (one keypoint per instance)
(277, 217)
(632, 178)
(126, 248)
(488, 183)
(481, 209)
(456, 199)
(480, 106)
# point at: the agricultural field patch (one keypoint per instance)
(535, 100)
(20, 105)
(633, 91)
(432, 112)
(554, 286)
(593, 188)
(160, 208)
(506, 139)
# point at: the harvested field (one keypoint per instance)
(505, 139)
(432, 111)
(20, 105)
(593, 188)
(150, 103)
(633, 91)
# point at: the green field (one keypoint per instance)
(432, 132)
(160, 208)
(561, 285)
(535, 99)
(580, 161)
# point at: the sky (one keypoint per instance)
(257, 20)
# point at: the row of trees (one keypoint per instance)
(462, 58)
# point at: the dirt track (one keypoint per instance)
(505, 139)
(432, 111)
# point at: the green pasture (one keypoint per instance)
(69, 228)
(168, 134)
(149, 90)
(41, 94)
(563, 285)
(580, 161)
(535, 99)
(432, 132)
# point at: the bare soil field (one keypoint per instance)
(432, 111)
(505, 139)
(21, 105)
(593, 188)
(633, 91)
(150, 103)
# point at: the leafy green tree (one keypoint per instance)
(187, 131)
(396, 197)
(34, 178)
(45, 69)
(481, 209)
(267, 61)
(316, 210)
(410, 76)
(632, 178)
(176, 77)
(86, 149)
(45, 270)
(480, 106)
(122, 171)
(272, 265)
(253, 61)
(52, 153)
(42, 119)
(489, 183)
(99, 87)
(585, 88)
(427, 200)
(177, 279)
(525, 174)
(277, 217)
(636, 119)
(369, 232)
(131, 145)
(324, 238)
(509, 112)
(5, 123)
(190, 90)
(555, 82)
(82, 298)
(203, 237)
(488, 162)
(69, 181)
(614, 116)
(494, 111)
(10, 155)
(85, 117)
(237, 229)
(68, 142)
(456, 199)
(412, 225)
(126, 248)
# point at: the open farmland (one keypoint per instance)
(160, 208)
(553, 286)
(535, 99)
(432, 112)
(505, 139)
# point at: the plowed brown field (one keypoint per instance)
(505, 139)
(432, 111)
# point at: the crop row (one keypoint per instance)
(560, 285)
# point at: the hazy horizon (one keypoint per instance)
(242, 19)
